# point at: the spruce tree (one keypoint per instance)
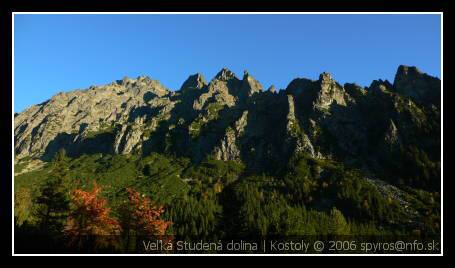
(338, 224)
(53, 203)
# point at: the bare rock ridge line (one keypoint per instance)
(236, 119)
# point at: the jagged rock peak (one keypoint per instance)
(144, 78)
(409, 79)
(421, 87)
(225, 74)
(380, 86)
(141, 79)
(271, 89)
(354, 90)
(196, 81)
(328, 92)
(327, 83)
(325, 77)
(298, 85)
(246, 75)
(406, 71)
(250, 84)
(125, 80)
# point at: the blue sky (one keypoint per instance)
(54, 53)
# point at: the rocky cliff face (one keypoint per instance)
(420, 87)
(235, 119)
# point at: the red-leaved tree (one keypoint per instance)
(89, 224)
(144, 216)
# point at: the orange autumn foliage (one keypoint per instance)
(145, 215)
(90, 216)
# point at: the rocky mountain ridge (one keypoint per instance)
(236, 119)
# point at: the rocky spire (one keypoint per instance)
(329, 91)
(225, 75)
(325, 78)
(391, 136)
(249, 84)
(380, 86)
(271, 89)
(195, 81)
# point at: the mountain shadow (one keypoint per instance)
(76, 146)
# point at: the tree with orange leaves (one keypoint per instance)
(89, 225)
(143, 216)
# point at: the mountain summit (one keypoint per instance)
(225, 74)
(196, 81)
(411, 82)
